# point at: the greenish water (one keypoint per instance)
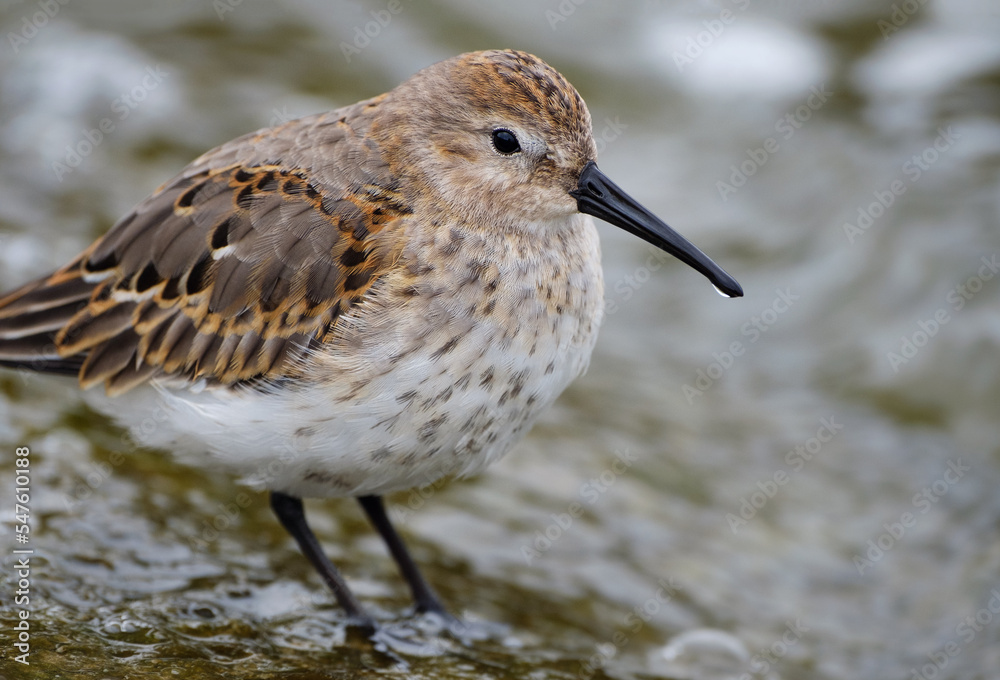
(813, 475)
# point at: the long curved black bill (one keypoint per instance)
(597, 195)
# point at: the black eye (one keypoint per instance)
(505, 142)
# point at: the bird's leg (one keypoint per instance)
(425, 597)
(292, 516)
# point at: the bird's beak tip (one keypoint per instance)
(597, 195)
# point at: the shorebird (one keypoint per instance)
(356, 302)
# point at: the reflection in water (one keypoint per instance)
(142, 565)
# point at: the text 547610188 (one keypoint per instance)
(22, 562)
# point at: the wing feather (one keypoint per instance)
(226, 273)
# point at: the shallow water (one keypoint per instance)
(735, 543)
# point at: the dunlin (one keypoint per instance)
(355, 302)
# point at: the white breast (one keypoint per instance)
(411, 391)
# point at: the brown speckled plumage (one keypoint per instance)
(355, 302)
(226, 271)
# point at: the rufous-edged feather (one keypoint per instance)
(227, 273)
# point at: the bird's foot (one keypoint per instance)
(433, 634)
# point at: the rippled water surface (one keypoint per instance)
(810, 473)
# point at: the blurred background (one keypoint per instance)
(808, 476)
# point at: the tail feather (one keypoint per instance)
(37, 322)
(32, 315)
(56, 290)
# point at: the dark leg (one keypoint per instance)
(293, 518)
(425, 597)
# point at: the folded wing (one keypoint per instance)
(228, 273)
